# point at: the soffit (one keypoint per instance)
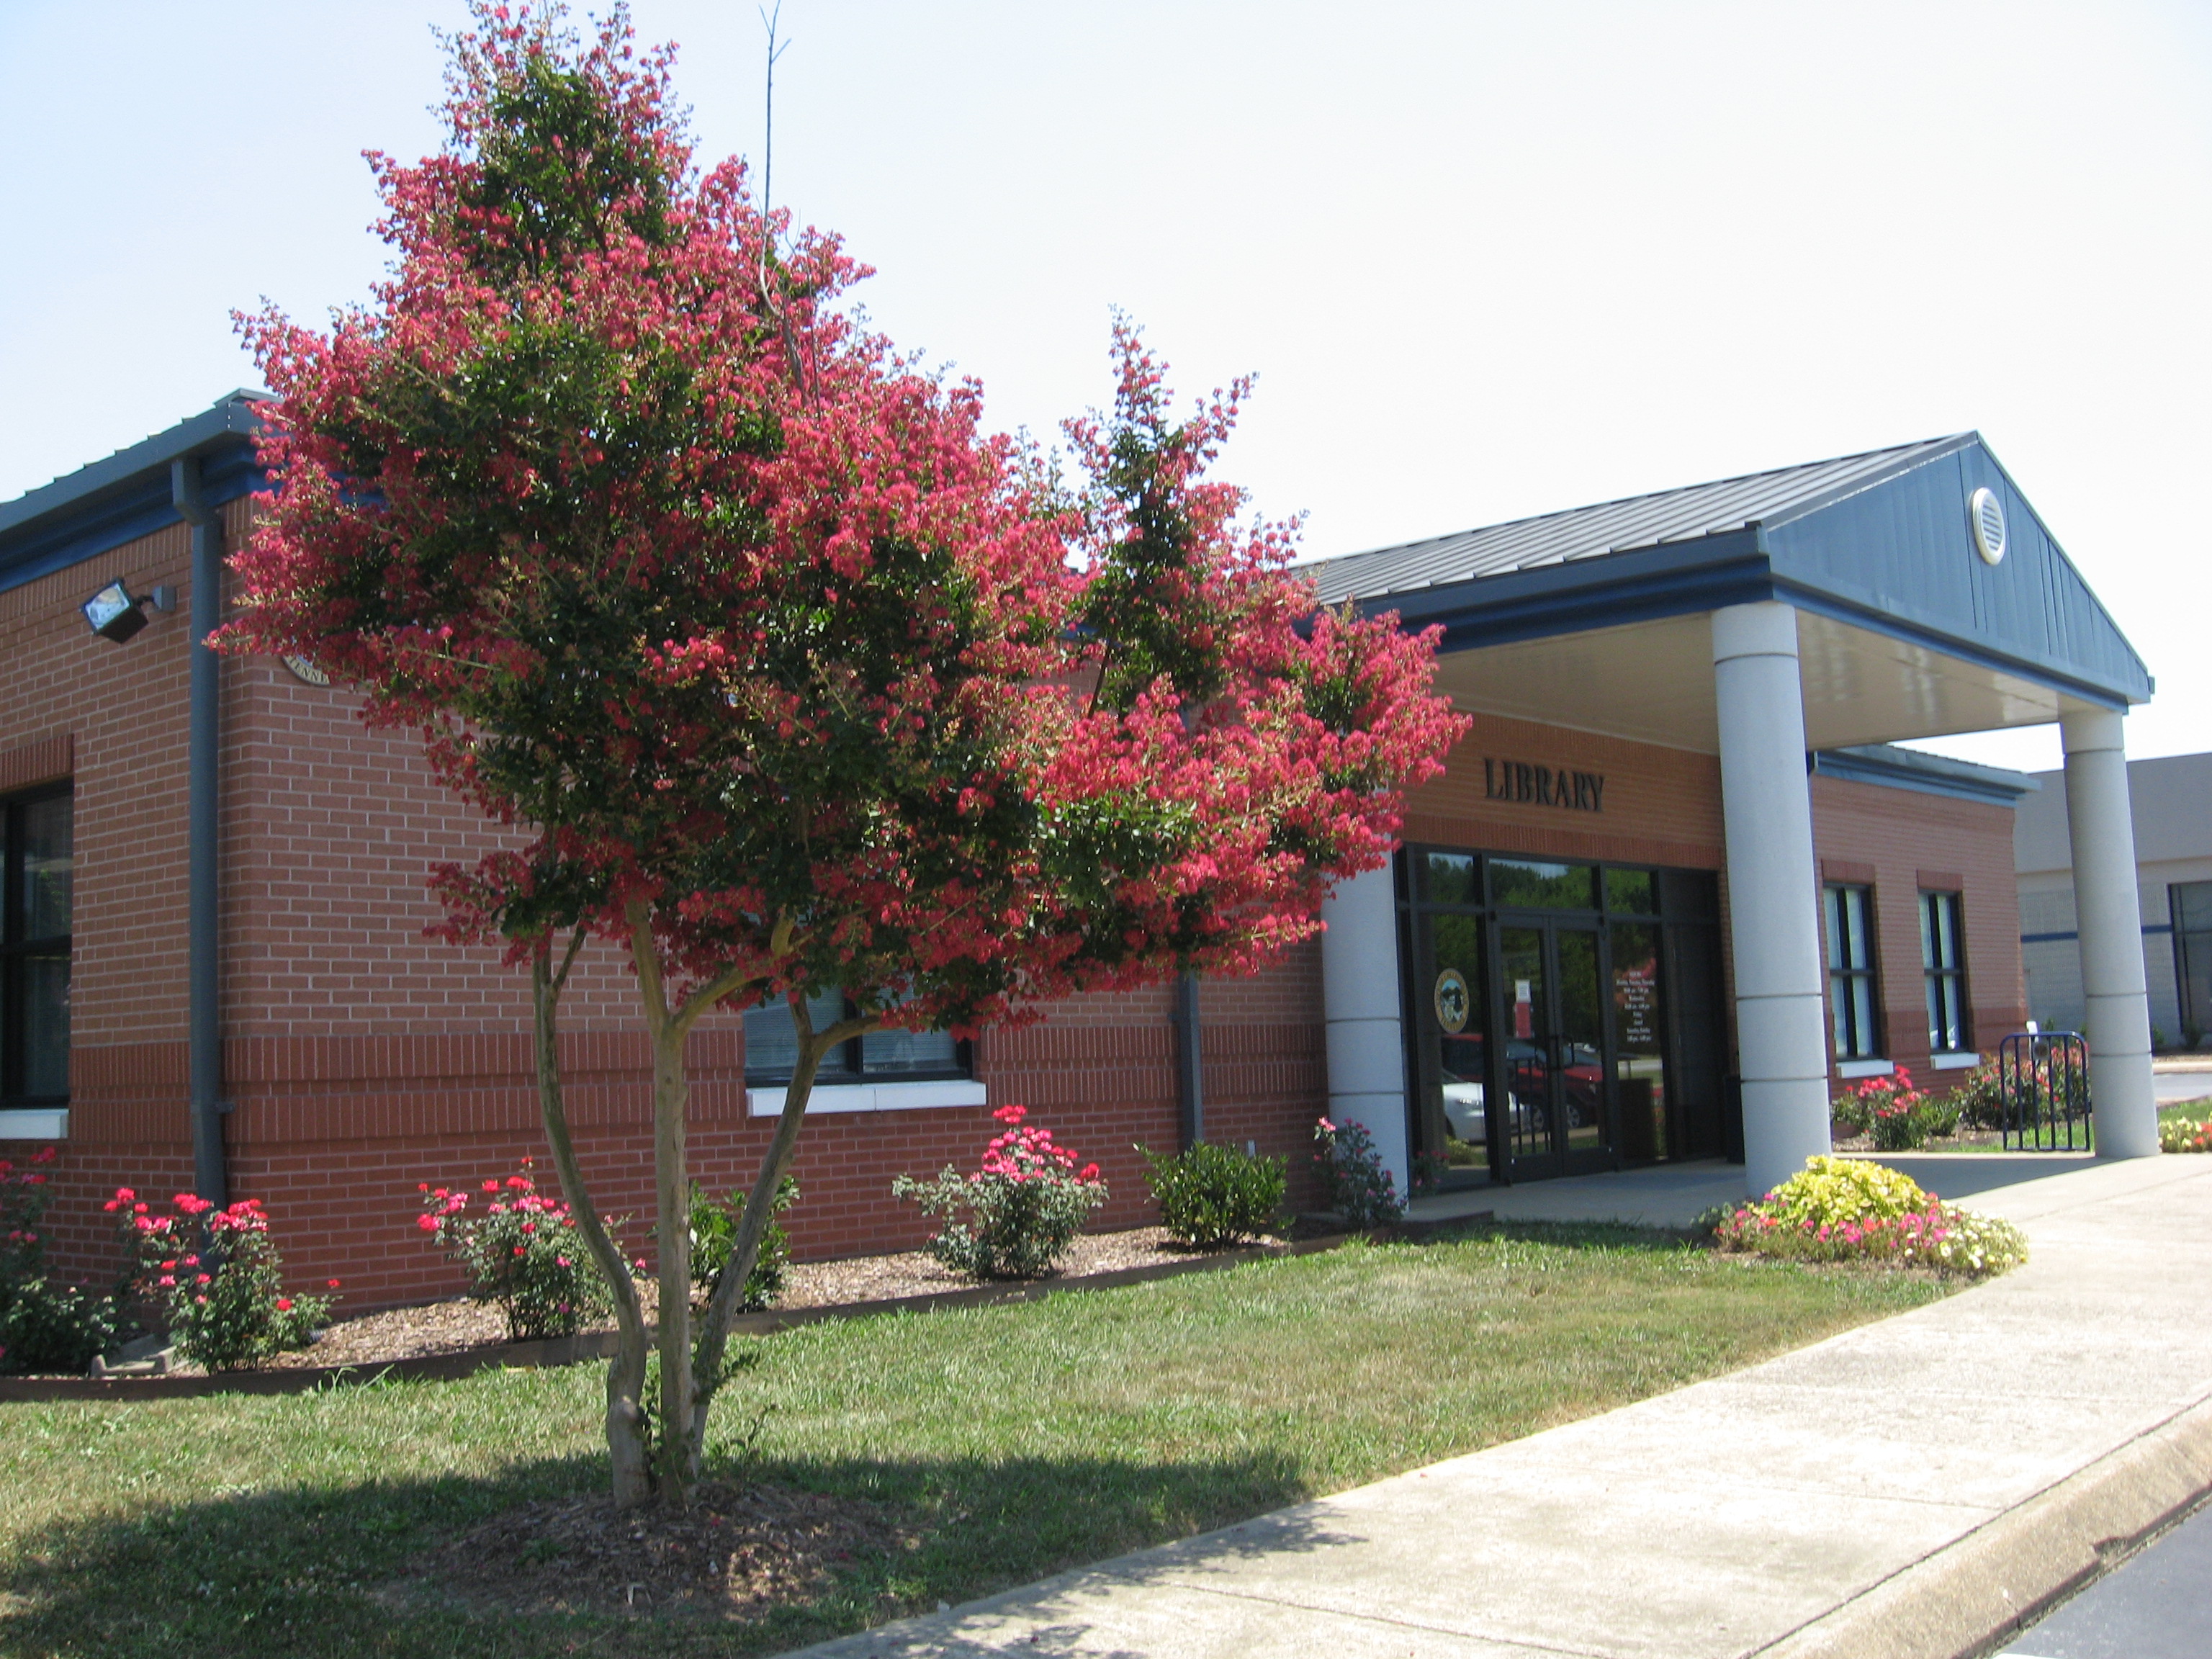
(1653, 682)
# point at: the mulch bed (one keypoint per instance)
(459, 1324)
(455, 1339)
(735, 1552)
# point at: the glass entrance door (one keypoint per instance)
(1561, 1018)
(1551, 991)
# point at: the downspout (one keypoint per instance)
(1190, 1066)
(210, 1167)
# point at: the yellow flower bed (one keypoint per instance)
(2183, 1136)
(1838, 1209)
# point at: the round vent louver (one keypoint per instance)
(1987, 513)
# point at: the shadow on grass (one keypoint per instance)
(294, 1572)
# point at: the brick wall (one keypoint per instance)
(1901, 842)
(364, 1058)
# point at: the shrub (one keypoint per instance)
(1830, 1191)
(1213, 1196)
(714, 1230)
(44, 1326)
(1979, 1097)
(1842, 1210)
(2183, 1136)
(1898, 1116)
(1026, 1203)
(523, 1253)
(51, 1327)
(1354, 1181)
(222, 1293)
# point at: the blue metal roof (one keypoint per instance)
(1880, 540)
(1933, 775)
(86, 513)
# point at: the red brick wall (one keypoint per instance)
(1891, 839)
(1662, 805)
(364, 1058)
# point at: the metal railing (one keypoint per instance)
(2043, 1079)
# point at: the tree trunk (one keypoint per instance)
(625, 1420)
(689, 1382)
(674, 1431)
(707, 1373)
(672, 1183)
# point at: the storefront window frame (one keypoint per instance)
(2189, 907)
(1667, 912)
(18, 948)
(1854, 1022)
(847, 1062)
(1944, 920)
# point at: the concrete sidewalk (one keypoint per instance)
(1911, 1488)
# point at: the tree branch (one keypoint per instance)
(626, 1372)
(714, 1334)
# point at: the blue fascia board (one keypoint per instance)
(1928, 775)
(112, 502)
(1877, 620)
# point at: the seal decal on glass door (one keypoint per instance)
(1452, 1001)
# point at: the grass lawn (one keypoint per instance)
(1019, 1440)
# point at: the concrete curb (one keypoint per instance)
(1971, 1597)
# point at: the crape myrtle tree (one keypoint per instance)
(789, 679)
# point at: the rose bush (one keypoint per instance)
(1354, 1181)
(1026, 1203)
(1897, 1115)
(216, 1279)
(45, 1325)
(520, 1251)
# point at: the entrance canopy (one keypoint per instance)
(1930, 599)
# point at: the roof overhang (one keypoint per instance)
(1904, 630)
(127, 495)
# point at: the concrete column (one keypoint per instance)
(2109, 927)
(1766, 812)
(1360, 1004)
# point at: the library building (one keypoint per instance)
(1675, 889)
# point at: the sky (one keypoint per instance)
(1485, 260)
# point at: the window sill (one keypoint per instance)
(1859, 1068)
(1961, 1061)
(35, 1123)
(870, 1096)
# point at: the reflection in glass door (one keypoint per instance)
(1550, 989)
(1456, 1077)
(1524, 991)
(1566, 1017)
(1579, 1049)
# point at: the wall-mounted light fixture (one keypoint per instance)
(112, 614)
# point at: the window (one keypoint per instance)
(1851, 971)
(1522, 882)
(1943, 962)
(34, 948)
(2191, 902)
(772, 1047)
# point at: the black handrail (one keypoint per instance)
(2043, 1079)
